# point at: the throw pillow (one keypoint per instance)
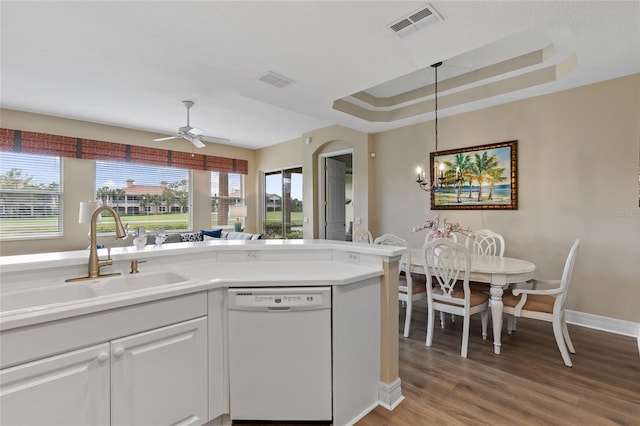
(215, 233)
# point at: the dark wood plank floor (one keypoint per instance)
(528, 384)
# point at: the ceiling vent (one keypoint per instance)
(415, 21)
(276, 79)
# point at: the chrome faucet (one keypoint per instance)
(94, 261)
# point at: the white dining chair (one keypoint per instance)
(410, 286)
(486, 241)
(447, 263)
(361, 235)
(545, 304)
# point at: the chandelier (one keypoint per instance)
(438, 169)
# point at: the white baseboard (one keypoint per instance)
(611, 325)
(390, 394)
(361, 415)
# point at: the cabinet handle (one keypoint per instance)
(103, 357)
(118, 352)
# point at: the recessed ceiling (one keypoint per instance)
(131, 63)
(523, 61)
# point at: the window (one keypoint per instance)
(283, 203)
(30, 196)
(227, 189)
(147, 196)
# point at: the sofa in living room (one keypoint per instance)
(215, 234)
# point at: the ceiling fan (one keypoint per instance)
(192, 134)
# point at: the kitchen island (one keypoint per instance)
(180, 291)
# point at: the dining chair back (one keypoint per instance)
(361, 235)
(410, 286)
(485, 241)
(545, 301)
(447, 265)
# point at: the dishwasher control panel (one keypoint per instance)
(280, 298)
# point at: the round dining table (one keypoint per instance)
(497, 272)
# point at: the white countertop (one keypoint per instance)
(207, 265)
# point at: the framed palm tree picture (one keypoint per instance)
(478, 177)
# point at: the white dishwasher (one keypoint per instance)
(280, 353)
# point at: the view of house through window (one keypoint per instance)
(30, 196)
(144, 196)
(283, 203)
(227, 189)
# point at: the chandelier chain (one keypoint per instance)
(424, 184)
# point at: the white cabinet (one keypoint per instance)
(150, 378)
(67, 389)
(159, 377)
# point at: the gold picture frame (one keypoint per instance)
(480, 177)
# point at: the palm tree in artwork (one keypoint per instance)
(460, 165)
(480, 169)
(494, 176)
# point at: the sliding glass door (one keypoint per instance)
(282, 207)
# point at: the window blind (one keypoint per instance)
(144, 195)
(30, 195)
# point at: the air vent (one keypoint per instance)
(415, 21)
(276, 79)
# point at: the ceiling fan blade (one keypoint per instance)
(195, 141)
(219, 140)
(196, 131)
(166, 139)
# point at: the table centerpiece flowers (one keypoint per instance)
(445, 231)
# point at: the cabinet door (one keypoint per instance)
(160, 376)
(67, 389)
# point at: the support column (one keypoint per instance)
(389, 390)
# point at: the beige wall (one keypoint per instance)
(326, 140)
(578, 178)
(79, 177)
(578, 154)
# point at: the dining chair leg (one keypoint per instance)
(484, 316)
(465, 336)
(407, 318)
(430, 320)
(565, 333)
(558, 333)
(510, 323)
(442, 319)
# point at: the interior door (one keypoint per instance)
(335, 227)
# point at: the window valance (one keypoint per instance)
(65, 146)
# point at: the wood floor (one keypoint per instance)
(528, 384)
